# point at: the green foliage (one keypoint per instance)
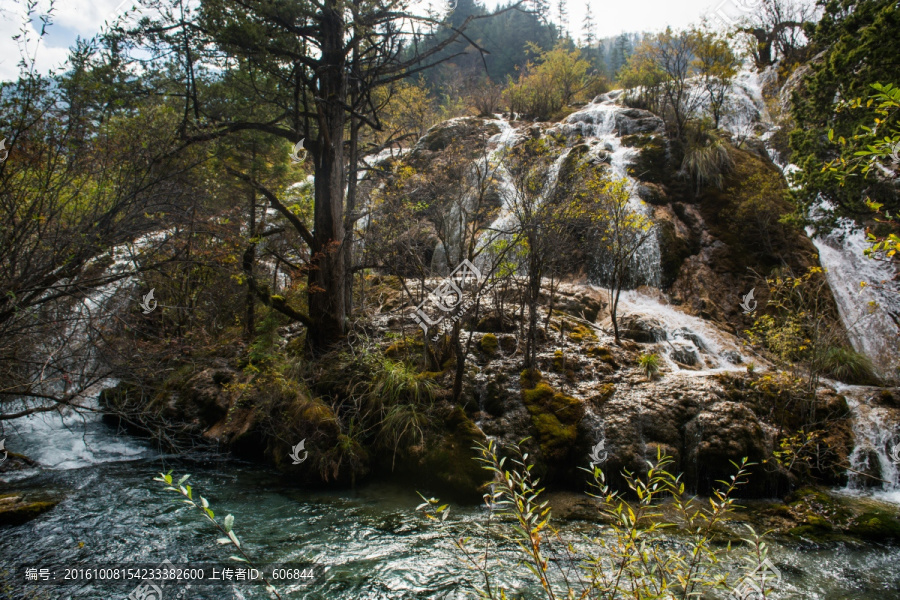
(398, 381)
(799, 328)
(548, 86)
(707, 159)
(848, 366)
(226, 527)
(489, 344)
(649, 365)
(639, 560)
(857, 46)
(264, 347)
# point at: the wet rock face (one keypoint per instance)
(646, 330)
(631, 121)
(689, 419)
(19, 508)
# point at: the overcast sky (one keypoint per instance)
(85, 17)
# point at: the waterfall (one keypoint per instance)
(597, 124)
(877, 446)
(685, 335)
(69, 439)
(871, 314)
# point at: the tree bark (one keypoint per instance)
(327, 302)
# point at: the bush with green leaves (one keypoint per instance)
(659, 543)
(649, 365)
(849, 366)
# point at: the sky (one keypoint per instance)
(612, 17)
(73, 18)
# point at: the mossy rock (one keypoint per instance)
(673, 252)
(489, 344)
(508, 343)
(555, 418)
(558, 362)
(604, 393)
(652, 163)
(579, 333)
(449, 461)
(529, 378)
(602, 354)
(403, 348)
(494, 323)
(877, 525)
(16, 509)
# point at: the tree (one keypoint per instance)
(641, 72)
(623, 229)
(562, 13)
(673, 53)
(83, 179)
(776, 30)
(313, 70)
(588, 26)
(545, 88)
(547, 220)
(855, 47)
(622, 49)
(717, 65)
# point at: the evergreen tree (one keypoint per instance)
(563, 16)
(588, 27)
(621, 51)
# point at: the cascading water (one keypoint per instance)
(870, 313)
(875, 459)
(597, 125)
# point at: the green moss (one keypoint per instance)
(879, 525)
(555, 418)
(404, 348)
(579, 333)
(15, 510)
(559, 361)
(529, 378)
(489, 344)
(651, 164)
(604, 393)
(603, 354)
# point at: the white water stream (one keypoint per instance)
(870, 313)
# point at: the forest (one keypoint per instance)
(374, 299)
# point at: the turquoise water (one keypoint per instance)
(368, 543)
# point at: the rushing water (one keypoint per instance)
(369, 542)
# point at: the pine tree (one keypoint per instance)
(563, 16)
(588, 27)
(541, 9)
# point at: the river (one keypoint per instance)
(368, 543)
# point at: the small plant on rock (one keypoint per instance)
(649, 365)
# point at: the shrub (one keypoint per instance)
(706, 161)
(638, 560)
(848, 366)
(649, 365)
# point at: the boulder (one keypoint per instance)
(639, 328)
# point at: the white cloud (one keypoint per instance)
(70, 19)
